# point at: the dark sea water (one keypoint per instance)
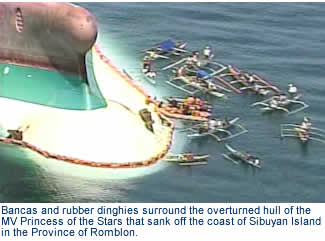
(285, 43)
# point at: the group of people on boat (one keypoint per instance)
(196, 77)
(250, 159)
(193, 61)
(192, 106)
(250, 81)
(214, 124)
(283, 99)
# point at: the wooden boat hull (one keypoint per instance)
(193, 163)
(234, 154)
(178, 158)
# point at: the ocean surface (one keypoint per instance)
(283, 42)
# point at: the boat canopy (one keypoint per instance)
(202, 74)
(167, 45)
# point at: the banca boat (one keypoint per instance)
(237, 156)
(166, 49)
(188, 159)
(241, 80)
(219, 129)
(197, 81)
(283, 103)
(303, 134)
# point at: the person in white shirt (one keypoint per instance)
(306, 124)
(292, 90)
(207, 52)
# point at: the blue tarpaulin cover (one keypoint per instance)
(202, 74)
(167, 45)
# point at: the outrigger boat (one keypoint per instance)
(166, 49)
(237, 156)
(247, 81)
(194, 81)
(201, 61)
(283, 103)
(188, 159)
(303, 134)
(217, 128)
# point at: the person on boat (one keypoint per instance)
(160, 104)
(304, 128)
(199, 103)
(207, 52)
(147, 68)
(246, 156)
(195, 58)
(189, 157)
(186, 110)
(260, 89)
(151, 74)
(250, 78)
(204, 114)
(211, 124)
(274, 103)
(189, 101)
(280, 98)
(219, 124)
(152, 55)
(283, 98)
(173, 102)
(179, 72)
(211, 86)
(146, 64)
(190, 63)
(306, 124)
(292, 90)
